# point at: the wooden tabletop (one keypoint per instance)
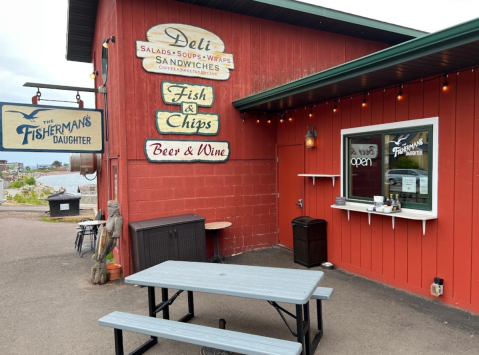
(217, 225)
(264, 283)
(91, 223)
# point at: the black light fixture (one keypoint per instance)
(445, 86)
(310, 136)
(290, 116)
(335, 108)
(281, 117)
(94, 74)
(108, 40)
(269, 120)
(400, 93)
(311, 111)
(364, 103)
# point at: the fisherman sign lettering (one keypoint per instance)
(185, 50)
(50, 128)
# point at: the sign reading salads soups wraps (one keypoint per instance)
(179, 49)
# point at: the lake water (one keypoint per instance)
(69, 181)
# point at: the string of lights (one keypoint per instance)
(364, 102)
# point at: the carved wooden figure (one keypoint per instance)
(106, 242)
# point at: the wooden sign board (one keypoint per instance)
(186, 151)
(181, 93)
(185, 50)
(169, 122)
(42, 128)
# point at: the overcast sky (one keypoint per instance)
(33, 46)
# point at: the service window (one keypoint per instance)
(398, 159)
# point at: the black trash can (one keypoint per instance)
(309, 241)
(63, 204)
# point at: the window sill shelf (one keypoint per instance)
(319, 176)
(405, 213)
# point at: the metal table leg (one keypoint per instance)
(217, 257)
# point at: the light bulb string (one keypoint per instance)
(401, 86)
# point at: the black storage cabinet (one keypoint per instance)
(309, 241)
(170, 238)
(63, 204)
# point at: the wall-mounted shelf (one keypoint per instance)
(405, 213)
(319, 176)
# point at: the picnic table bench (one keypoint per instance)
(248, 344)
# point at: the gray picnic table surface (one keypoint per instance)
(270, 284)
(257, 282)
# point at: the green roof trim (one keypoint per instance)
(343, 16)
(416, 48)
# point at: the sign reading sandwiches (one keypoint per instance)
(38, 128)
(179, 49)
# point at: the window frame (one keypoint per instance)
(431, 123)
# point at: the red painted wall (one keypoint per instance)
(242, 190)
(403, 257)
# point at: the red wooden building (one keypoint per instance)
(395, 111)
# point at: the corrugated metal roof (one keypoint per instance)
(82, 17)
(438, 53)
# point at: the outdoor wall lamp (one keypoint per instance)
(310, 136)
(94, 74)
(106, 41)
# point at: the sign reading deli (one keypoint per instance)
(186, 151)
(37, 128)
(185, 50)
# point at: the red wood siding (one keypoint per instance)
(242, 190)
(403, 257)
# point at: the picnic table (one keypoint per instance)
(273, 285)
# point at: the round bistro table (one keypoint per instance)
(215, 227)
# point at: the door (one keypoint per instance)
(290, 189)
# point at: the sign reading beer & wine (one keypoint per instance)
(186, 151)
(179, 49)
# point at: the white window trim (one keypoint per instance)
(434, 121)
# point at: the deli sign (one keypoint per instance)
(39, 128)
(179, 49)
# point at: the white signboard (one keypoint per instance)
(39, 128)
(64, 206)
(423, 182)
(169, 122)
(179, 49)
(364, 151)
(186, 151)
(409, 184)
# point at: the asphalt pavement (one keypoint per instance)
(49, 306)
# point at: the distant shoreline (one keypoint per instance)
(58, 173)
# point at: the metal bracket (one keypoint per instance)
(162, 305)
(280, 310)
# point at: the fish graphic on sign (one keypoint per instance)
(31, 116)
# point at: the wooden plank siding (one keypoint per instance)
(243, 190)
(404, 257)
(266, 54)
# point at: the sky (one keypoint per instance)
(33, 47)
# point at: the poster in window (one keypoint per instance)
(423, 184)
(409, 184)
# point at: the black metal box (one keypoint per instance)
(309, 241)
(170, 238)
(63, 204)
